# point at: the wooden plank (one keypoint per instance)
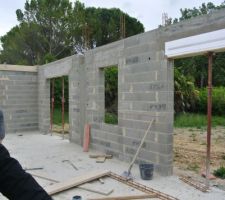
(80, 187)
(62, 186)
(86, 141)
(106, 193)
(44, 177)
(100, 159)
(33, 168)
(144, 196)
(97, 175)
(20, 68)
(108, 156)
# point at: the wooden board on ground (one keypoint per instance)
(108, 156)
(100, 159)
(97, 191)
(44, 177)
(144, 196)
(85, 187)
(77, 181)
(65, 185)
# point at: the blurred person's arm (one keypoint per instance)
(15, 183)
(2, 127)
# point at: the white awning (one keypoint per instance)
(196, 45)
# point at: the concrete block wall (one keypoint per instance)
(45, 74)
(18, 100)
(145, 92)
(77, 101)
(198, 25)
(106, 138)
(71, 67)
(43, 101)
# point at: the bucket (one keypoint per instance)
(77, 198)
(146, 171)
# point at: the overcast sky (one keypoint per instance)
(149, 12)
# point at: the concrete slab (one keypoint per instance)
(38, 150)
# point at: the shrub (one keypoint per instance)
(218, 101)
(111, 89)
(220, 172)
(111, 118)
(185, 95)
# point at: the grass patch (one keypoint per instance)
(111, 118)
(220, 172)
(196, 120)
(57, 117)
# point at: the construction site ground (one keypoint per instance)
(36, 150)
(190, 148)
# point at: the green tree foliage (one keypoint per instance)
(111, 90)
(20, 45)
(197, 66)
(50, 30)
(193, 72)
(42, 34)
(185, 95)
(58, 92)
(104, 25)
(219, 70)
(188, 13)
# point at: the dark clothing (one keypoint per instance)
(15, 183)
(2, 126)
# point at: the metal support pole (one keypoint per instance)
(209, 116)
(52, 103)
(63, 102)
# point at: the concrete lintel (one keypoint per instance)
(196, 45)
(19, 68)
(61, 67)
(58, 68)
